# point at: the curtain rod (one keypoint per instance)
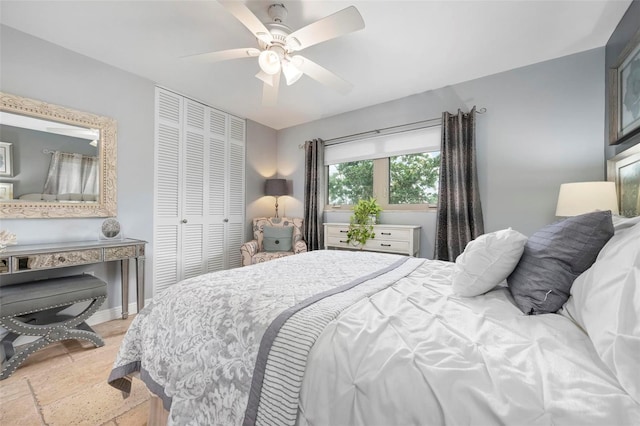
(423, 124)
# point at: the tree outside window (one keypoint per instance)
(350, 182)
(409, 180)
(413, 178)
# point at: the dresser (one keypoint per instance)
(400, 239)
(20, 259)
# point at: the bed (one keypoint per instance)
(353, 338)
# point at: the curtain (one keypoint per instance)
(313, 193)
(71, 173)
(459, 218)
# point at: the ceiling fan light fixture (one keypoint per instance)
(294, 43)
(291, 73)
(269, 62)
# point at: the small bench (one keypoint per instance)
(32, 309)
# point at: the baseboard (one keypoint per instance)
(113, 313)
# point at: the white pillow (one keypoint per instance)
(620, 222)
(605, 302)
(487, 261)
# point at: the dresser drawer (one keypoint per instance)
(339, 242)
(387, 245)
(401, 239)
(393, 234)
(337, 231)
(4, 265)
(118, 253)
(56, 260)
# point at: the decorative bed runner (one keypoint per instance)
(280, 366)
(197, 343)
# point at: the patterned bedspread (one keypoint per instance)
(197, 344)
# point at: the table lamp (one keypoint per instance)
(275, 188)
(585, 197)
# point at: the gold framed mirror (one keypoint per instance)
(77, 151)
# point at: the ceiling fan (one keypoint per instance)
(278, 44)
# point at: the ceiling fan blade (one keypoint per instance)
(266, 78)
(248, 19)
(340, 23)
(224, 55)
(321, 74)
(270, 91)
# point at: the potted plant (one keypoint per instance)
(365, 215)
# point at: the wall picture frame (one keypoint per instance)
(6, 159)
(624, 93)
(624, 170)
(6, 191)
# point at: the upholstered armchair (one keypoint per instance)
(254, 251)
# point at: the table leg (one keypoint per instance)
(124, 263)
(140, 282)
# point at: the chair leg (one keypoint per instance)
(64, 328)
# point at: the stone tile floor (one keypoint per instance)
(66, 384)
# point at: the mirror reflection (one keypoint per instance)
(55, 162)
(48, 161)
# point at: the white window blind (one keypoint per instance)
(410, 142)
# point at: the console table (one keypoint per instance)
(37, 257)
(401, 239)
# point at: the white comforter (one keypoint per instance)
(415, 354)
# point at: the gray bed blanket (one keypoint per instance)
(229, 347)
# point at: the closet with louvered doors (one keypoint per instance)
(199, 189)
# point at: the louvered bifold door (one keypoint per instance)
(194, 220)
(235, 192)
(217, 178)
(167, 201)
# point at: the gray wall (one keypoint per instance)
(543, 127)
(624, 32)
(260, 165)
(37, 69)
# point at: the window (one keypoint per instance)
(350, 182)
(413, 178)
(400, 170)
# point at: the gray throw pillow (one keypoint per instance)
(277, 238)
(554, 257)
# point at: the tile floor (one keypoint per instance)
(66, 384)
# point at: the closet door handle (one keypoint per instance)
(226, 220)
(184, 220)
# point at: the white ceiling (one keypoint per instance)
(407, 47)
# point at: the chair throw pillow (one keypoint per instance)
(554, 257)
(487, 261)
(277, 238)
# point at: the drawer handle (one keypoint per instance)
(385, 245)
(344, 241)
(386, 233)
(343, 231)
(61, 259)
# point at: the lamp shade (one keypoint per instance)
(291, 73)
(269, 62)
(585, 197)
(275, 187)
